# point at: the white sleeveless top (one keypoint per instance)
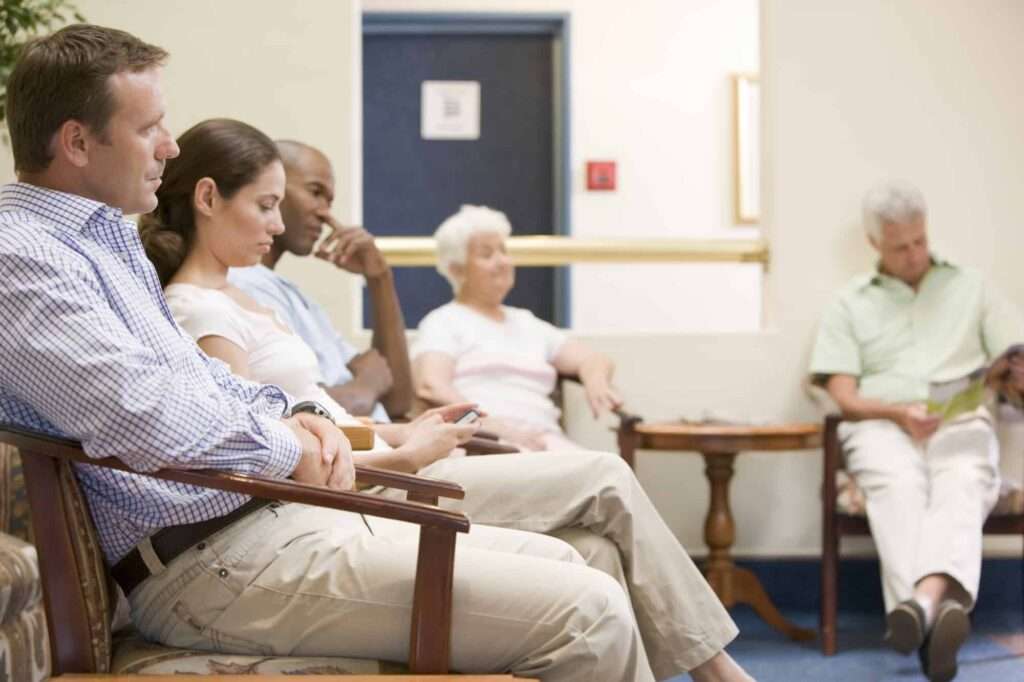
(275, 354)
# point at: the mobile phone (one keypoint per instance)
(468, 418)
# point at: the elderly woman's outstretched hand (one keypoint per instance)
(601, 396)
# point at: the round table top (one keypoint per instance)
(727, 438)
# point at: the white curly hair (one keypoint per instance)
(452, 236)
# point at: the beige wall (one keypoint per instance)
(853, 92)
(289, 68)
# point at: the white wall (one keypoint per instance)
(650, 88)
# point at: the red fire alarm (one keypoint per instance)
(601, 175)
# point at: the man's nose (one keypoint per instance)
(169, 149)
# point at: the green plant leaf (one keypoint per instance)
(21, 20)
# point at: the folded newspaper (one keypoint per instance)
(953, 399)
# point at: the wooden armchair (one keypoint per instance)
(842, 516)
(77, 588)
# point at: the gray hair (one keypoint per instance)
(891, 202)
(453, 235)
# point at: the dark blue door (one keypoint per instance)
(410, 184)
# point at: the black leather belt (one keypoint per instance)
(169, 542)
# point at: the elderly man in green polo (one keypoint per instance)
(929, 481)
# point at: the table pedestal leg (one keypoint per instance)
(732, 584)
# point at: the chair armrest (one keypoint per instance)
(359, 437)
(415, 484)
(627, 419)
(285, 490)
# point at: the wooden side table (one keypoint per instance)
(720, 444)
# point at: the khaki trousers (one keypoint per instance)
(593, 501)
(926, 502)
(298, 580)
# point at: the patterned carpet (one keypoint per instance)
(994, 653)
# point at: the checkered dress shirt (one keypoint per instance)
(90, 351)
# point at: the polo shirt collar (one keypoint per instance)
(879, 278)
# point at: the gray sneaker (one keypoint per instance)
(950, 631)
(905, 626)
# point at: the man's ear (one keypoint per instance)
(205, 196)
(71, 142)
(458, 271)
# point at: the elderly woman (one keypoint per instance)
(505, 359)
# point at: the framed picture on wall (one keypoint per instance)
(747, 147)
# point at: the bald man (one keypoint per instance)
(376, 383)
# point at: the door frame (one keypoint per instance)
(556, 25)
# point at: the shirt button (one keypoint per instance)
(201, 546)
(223, 573)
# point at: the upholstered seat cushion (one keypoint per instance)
(133, 655)
(24, 652)
(850, 498)
(20, 588)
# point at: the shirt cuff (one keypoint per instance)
(285, 450)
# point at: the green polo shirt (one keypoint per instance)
(896, 341)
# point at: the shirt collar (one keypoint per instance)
(273, 274)
(67, 211)
(879, 278)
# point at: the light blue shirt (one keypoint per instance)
(307, 319)
(90, 351)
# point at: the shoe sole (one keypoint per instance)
(906, 632)
(951, 629)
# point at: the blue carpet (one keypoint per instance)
(770, 657)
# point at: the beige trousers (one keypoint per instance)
(297, 580)
(926, 502)
(593, 501)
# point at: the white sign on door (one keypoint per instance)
(450, 110)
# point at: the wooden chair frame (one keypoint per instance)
(836, 524)
(65, 602)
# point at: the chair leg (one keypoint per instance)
(430, 637)
(829, 588)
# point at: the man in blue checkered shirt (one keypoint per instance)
(90, 351)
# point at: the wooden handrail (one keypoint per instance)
(535, 250)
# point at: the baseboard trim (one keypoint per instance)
(795, 584)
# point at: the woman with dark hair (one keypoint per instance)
(219, 208)
(228, 158)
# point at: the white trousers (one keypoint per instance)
(926, 502)
(304, 581)
(594, 501)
